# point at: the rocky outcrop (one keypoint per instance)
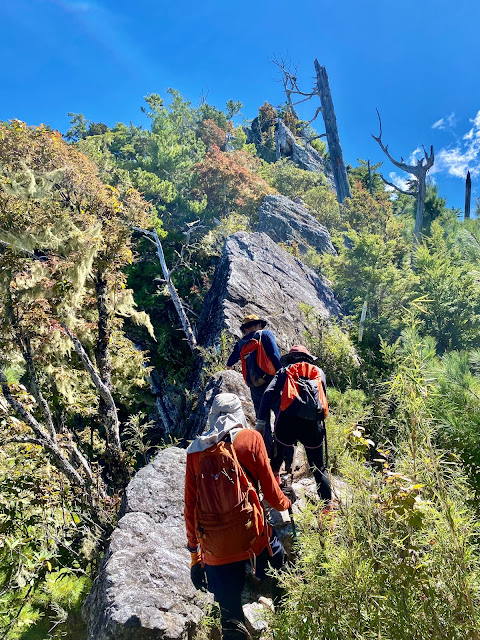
(222, 382)
(287, 221)
(304, 157)
(255, 275)
(143, 590)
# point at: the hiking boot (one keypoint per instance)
(235, 630)
(326, 517)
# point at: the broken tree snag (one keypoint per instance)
(333, 139)
(419, 170)
(468, 195)
(167, 274)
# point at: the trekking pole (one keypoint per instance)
(292, 521)
(287, 482)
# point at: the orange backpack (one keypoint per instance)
(229, 516)
(303, 394)
(256, 365)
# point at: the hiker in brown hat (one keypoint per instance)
(260, 357)
(297, 396)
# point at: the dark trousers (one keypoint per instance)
(257, 395)
(226, 582)
(289, 431)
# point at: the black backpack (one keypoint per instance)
(307, 405)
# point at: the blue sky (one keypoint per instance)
(415, 60)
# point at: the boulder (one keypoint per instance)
(305, 157)
(255, 275)
(143, 590)
(222, 382)
(287, 221)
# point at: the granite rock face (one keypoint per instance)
(287, 221)
(222, 382)
(143, 590)
(304, 157)
(255, 275)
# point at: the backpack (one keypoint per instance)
(256, 365)
(303, 395)
(229, 516)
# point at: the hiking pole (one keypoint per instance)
(294, 527)
(286, 481)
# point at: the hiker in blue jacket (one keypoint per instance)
(260, 357)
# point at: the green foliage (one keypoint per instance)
(451, 291)
(402, 560)
(336, 353)
(289, 180)
(359, 178)
(213, 242)
(48, 546)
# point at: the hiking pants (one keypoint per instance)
(257, 395)
(292, 430)
(226, 582)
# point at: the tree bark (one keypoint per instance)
(468, 195)
(107, 410)
(421, 192)
(113, 450)
(42, 437)
(333, 139)
(185, 322)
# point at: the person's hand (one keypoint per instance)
(260, 427)
(197, 572)
(289, 492)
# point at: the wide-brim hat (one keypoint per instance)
(296, 354)
(251, 318)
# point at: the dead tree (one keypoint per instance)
(46, 437)
(321, 89)
(167, 275)
(419, 171)
(468, 195)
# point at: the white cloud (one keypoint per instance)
(463, 156)
(415, 155)
(398, 181)
(443, 123)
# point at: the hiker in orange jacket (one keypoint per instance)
(218, 564)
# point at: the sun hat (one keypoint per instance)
(252, 318)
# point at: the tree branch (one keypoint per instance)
(42, 437)
(401, 165)
(103, 390)
(390, 184)
(186, 326)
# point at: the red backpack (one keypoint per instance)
(230, 519)
(256, 365)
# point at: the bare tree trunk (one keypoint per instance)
(418, 170)
(107, 411)
(421, 193)
(113, 449)
(333, 139)
(468, 195)
(186, 326)
(42, 437)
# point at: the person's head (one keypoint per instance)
(252, 322)
(226, 408)
(298, 353)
